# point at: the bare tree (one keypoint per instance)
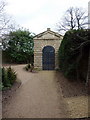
(81, 18)
(74, 18)
(6, 22)
(3, 17)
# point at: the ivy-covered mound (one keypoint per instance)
(73, 54)
(8, 77)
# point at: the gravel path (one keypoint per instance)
(39, 97)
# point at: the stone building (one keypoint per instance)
(46, 45)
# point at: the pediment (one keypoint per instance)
(48, 35)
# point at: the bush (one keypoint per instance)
(29, 67)
(5, 81)
(1, 86)
(8, 77)
(20, 47)
(69, 58)
(11, 75)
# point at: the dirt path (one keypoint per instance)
(38, 97)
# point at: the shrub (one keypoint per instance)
(11, 75)
(5, 81)
(20, 47)
(26, 68)
(1, 86)
(8, 77)
(69, 58)
(29, 67)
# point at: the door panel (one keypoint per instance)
(48, 58)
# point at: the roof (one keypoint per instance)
(48, 34)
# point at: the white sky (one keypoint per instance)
(38, 15)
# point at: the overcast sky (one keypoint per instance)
(38, 15)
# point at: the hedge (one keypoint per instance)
(71, 55)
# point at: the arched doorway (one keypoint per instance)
(48, 58)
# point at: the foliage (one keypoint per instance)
(5, 81)
(29, 67)
(20, 46)
(70, 52)
(11, 75)
(1, 85)
(8, 77)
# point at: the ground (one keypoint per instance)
(44, 94)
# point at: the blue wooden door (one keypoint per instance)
(48, 58)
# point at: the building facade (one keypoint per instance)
(46, 45)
